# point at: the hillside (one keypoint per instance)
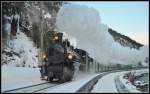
(124, 40)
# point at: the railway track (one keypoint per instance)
(32, 88)
(85, 88)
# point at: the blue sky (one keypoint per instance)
(128, 18)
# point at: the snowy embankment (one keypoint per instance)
(107, 83)
(128, 85)
(21, 52)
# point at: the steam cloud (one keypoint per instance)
(85, 25)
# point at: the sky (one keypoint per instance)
(128, 18)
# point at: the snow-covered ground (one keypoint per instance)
(107, 84)
(71, 87)
(15, 77)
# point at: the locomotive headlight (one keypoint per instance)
(44, 56)
(56, 38)
(70, 56)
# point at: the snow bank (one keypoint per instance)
(27, 53)
(84, 24)
(25, 46)
(128, 84)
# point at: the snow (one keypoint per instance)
(139, 83)
(71, 87)
(78, 22)
(25, 48)
(26, 4)
(81, 74)
(20, 48)
(107, 84)
(30, 23)
(128, 85)
(47, 15)
(15, 77)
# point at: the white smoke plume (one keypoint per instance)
(85, 25)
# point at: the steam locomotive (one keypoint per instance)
(58, 60)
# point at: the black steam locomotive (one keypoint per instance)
(58, 60)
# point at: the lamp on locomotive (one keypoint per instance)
(57, 38)
(45, 56)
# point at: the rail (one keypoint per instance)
(31, 88)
